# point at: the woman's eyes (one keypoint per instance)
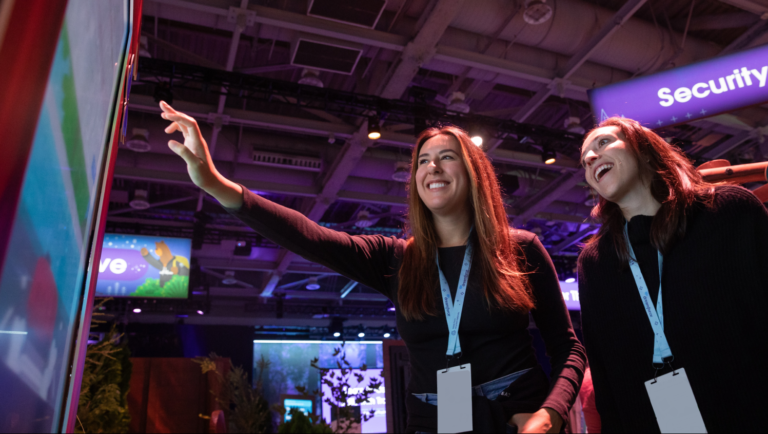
(603, 142)
(444, 157)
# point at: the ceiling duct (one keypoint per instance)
(298, 162)
(363, 13)
(325, 54)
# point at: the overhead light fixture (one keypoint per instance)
(331, 138)
(537, 12)
(312, 284)
(570, 280)
(374, 130)
(336, 328)
(137, 310)
(476, 135)
(364, 219)
(573, 125)
(311, 77)
(243, 248)
(200, 312)
(139, 141)
(229, 278)
(386, 335)
(548, 156)
(402, 171)
(457, 103)
(140, 200)
(361, 335)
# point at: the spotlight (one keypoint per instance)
(139, 141)
(386, 335)
(402, 171)
(537, 12)
(570, 280)
(311, 77)
(312, 284)
(229, 277)
(336, 328)
(140, 200)
(361, 335)
(476, 135)
(548, 156)
(243, 248)
(137, 310)
(374, 130)
(200, 312)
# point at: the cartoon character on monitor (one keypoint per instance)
(168, 264)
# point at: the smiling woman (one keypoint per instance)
(462, 255)
(706, 245)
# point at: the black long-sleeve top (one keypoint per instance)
(495, 342)
(715, 292)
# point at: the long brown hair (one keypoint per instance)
(674, 183)
(499, 258)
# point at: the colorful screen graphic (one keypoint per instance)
(302, 404)
(289, 363)
(690, 92)
(376, 402)
(142, 266)
(42, 281)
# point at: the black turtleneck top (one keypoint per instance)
(715, 293)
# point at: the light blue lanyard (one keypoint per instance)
(661, 348)
(453, 308)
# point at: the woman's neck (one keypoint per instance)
(452, 230)
(639, 202)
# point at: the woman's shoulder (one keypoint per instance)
(727, 196)
(522, 237)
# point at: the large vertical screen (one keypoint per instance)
(42, 281)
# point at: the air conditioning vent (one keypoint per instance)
(297, 162)
(363, 13)
(325, 54)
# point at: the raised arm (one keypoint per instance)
(370, 260)
(200, 166)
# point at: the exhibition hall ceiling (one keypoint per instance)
(526, 61)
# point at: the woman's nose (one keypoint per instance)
(590, 157)
(432, 167)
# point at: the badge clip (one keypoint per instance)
(659, 366)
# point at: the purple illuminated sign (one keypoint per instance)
(690, 92)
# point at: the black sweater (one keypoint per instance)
(495, 342)
(714, 298)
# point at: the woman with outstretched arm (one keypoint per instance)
(463, 286)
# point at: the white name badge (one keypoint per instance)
(674, 404)
(454, 399)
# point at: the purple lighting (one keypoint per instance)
(137, 310)
(199, 312)
(687, 93)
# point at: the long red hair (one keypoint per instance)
(500, 258)
(675, 184)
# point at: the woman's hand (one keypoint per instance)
(195, 153)
(543, 421)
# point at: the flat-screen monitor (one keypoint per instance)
(303, 403)
(144, 266)
(376, 402)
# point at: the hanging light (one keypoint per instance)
(312, 284)
(573, 125)
(457, 103)
(140, 200)
(570, 280)
(402, 171)
(548, 156)
(537, 12)
(476, 134)
(200, 312)
(229, 278)
(310, 77)
(137, 310)
(139, 141)
(374, 130)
